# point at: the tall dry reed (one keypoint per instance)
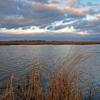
(63, 84)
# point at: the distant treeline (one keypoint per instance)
(44, 42)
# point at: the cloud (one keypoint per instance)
(34, 30)
(93, 4)
(91, 24)
(49, 16)
(69, 10)
(72, 2)
(19, 31)
(31, 15)
(98, 17)
(42, 1)
(22, 13)
(92, 19)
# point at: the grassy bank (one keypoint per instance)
(39, 42)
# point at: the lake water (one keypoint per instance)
(19, 60)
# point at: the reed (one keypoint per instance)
(63, 85)
(60, 89)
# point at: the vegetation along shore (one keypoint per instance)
(42, 42)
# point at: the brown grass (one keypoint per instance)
(63, 85)
(60, 89)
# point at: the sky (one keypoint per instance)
(50, 20)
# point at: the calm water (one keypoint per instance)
(20, 59)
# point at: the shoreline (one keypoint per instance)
(40, 42)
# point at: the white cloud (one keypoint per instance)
(36, 30)
(19, 31)
(92, 18)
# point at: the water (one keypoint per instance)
(19, 60)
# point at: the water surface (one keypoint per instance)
(19, 60)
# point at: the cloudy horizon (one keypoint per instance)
(50, 19)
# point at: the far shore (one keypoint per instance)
(42, 42)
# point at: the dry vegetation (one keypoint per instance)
(41, 42)
(60, 89)
(63, 85)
